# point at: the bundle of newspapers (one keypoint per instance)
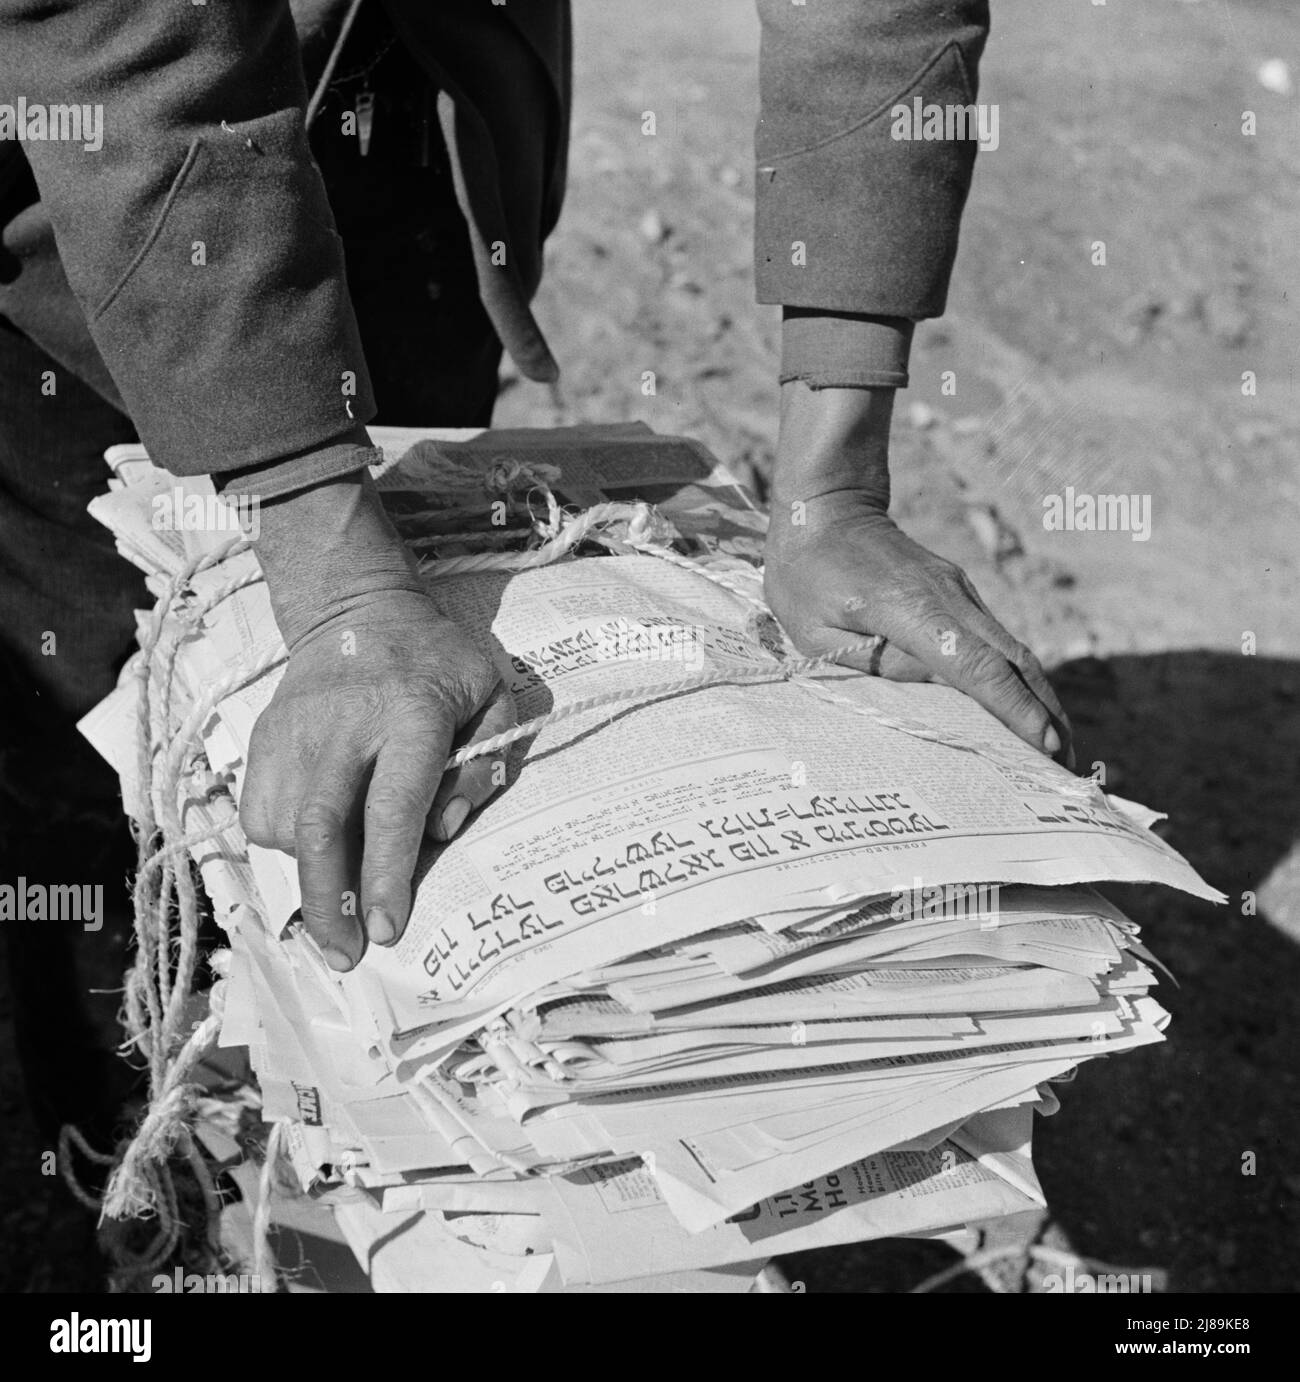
(721, 973)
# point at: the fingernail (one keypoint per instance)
(337, 959)
(380, 926)
(1052, 741)
(454, 816)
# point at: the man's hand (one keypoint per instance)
(346, 763)
(839, 570)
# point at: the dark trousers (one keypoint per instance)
(66, 597)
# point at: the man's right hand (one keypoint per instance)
(346, 764)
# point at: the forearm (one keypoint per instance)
(855, 231)
(198, 239)
(832, 440)
(327, 548)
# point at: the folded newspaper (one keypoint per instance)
(736, 963)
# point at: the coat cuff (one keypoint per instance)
(343, 456)
(844, 350)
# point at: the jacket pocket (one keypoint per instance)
(188, 165)
(944, 78)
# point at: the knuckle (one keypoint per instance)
(419, 720)
(979, 662)
(326, 931)
(1023, 656)
(319, 924)
(481, 679)
(394, 803)
(318, 829)
(992, 673)
(908, 625)
(929, 615)
(1022, 700)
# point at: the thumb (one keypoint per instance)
(470, 786)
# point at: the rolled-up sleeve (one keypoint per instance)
(197, 238)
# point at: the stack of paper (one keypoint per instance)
(719, 974)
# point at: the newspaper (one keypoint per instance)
(734, 964)
(760, 794)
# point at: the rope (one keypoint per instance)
(215, 597)
(639, 518)
(165, 898)
(70, 1136)
(194, 839)
(164, 1242)
(148, 984)
(781, 671)
(576, 530)
(264, 1267)
(717, 577)
(129, 1195)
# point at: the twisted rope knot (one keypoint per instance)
(506, 473)
(642, 527)
(133, 1190)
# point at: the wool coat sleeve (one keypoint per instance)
(197, 240)
(856, 230)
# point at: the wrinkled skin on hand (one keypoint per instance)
(846, 570)
(346, 762)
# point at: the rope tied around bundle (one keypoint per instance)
(165, 901)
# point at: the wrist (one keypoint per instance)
(831, 440)
(327, 549)
(800, 531)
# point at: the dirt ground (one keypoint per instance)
(1177, 657)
